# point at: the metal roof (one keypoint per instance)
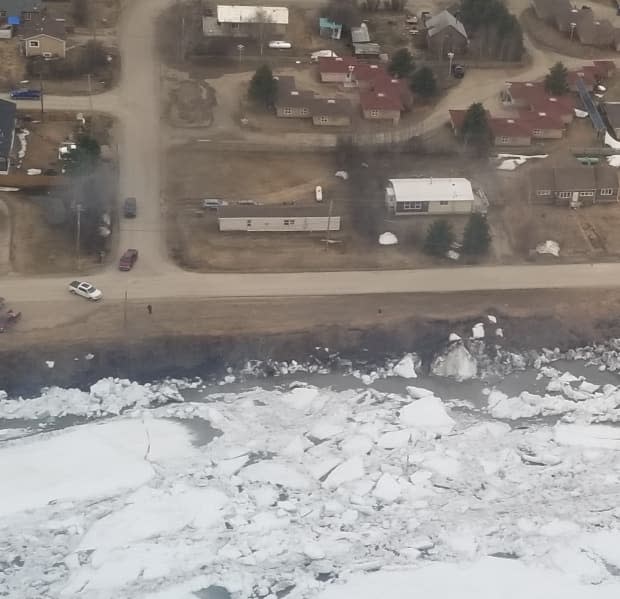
(590, 106)
(272, 211)
(444, 19)
(277, 15)
(360, 35)
(7, 126)
(432, 190)
(14, 8)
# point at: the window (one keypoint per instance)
(565, 195)
(304, 111)
(443, 203)
(27, 16)
(248, 223)
(324, 120)
(2, 13)
(537, 132)
(234, 25)
(504, 140)
(34, 44)
(411, 206)
(586, 194)
(374, 113)
(289, 221)
(607, 191)
(543, 192)
(288, 111)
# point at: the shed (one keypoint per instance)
(429, 196)
(360, 35)
(329, 29)
(366, 49)
(277, 218)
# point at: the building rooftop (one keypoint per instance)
(444, 19)
(272, 211)
(14, 8)
(42, 25)
(380, 100)
(330, 107)
(7, 126)
(340, 64)
(504, 127)
(367, 49)
(360, 35)
(432, 190)
(277, 15)
(612, 110)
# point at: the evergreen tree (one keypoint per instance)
(475, 130)
(439, 238)
(84, 158)
(423, 83)
(401, 64)
(556, 81)
(263, 87)
(477, 235)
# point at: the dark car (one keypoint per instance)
(130, 207)
(128, 259)
(25, 94)
(458, 71)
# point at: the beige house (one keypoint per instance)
(429, 196)
(277, 218)
(44, 37)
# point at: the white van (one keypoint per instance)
(314, 57)
(318, 193)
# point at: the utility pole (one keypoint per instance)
(90, 93)
(41, 91)
(329, 222)
(78, 209)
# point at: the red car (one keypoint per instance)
(128, 259)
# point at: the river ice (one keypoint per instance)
(312, 492)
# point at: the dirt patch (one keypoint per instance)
(545, 36)
(13, 64)
(196, 243)
(191, 104)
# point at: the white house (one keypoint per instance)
(246, 21)
(277, 218)
(429, 196)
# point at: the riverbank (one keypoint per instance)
(49, 347)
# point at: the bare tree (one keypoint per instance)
(265, 27)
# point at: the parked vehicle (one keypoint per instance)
(318, 193)
(128, 259)
(458, 71)
(213, 204)
(130, 207)
(8, 319)
(84, 289)
(314, 57)
(25, 94)
(280, 45)
(412, 20)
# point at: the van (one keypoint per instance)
(318, 193)
(130, 208)
(213, 204)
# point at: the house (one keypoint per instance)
(331, 112)
(546, 10)
(294, 103)
(445, 33)
(532, 95)
(593, 32)
(43, 36)
(277, 218)
(612, 111)
(573, 185)
(360, 35)
(541, 125)
(246, 21)
(509, 132)
(429, 196)
(369, 49)
(291, 102)
(7, 134)
(329, 29)
(381, 105)
(15, 12)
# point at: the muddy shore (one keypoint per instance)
(203, 338)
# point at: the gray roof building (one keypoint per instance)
(444, 19)
(15, 8)
(360, 35)
(565, 184)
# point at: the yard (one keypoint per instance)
(196, 244)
